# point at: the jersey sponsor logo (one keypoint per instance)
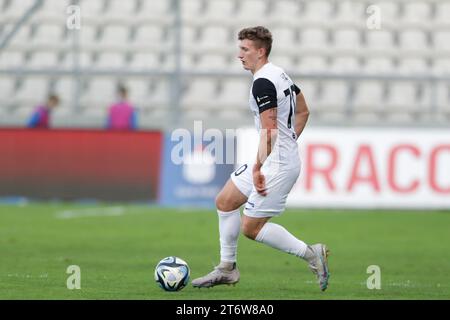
(258, 99)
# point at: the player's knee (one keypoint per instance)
(224, 204)
(249, 231)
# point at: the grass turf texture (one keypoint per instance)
(118, 250)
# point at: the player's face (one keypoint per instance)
(249, 54)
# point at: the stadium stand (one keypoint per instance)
(350, 73)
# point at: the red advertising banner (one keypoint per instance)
(80, 164)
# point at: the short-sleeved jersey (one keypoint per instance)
(273, 88)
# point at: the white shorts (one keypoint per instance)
(278, 184)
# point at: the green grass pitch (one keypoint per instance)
(118, 247)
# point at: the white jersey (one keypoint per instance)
(273, 88)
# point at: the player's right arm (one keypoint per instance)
(301, 114)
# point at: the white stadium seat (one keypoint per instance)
(346, 39)
(144, 61)
(32, 91)
(43, 60)
(416, 11)
(313, 38)
(312, 63)
(115, 35)
(48, 34)
(402, 99)
(148, 34)
(378, 65)
(11, 59)
(413, 40)
(201, 91)
(110, 60)
(442, 12)
(379, 40)
(333, 96)
(91, 9)
(441, 41)
(369, 95)
(413, 65)
(220, 9)
(235, 93)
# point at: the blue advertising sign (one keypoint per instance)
(194, 170)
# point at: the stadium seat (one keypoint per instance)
(53, 9)
(211, 62)
(345, 64)
(441, 66)
(17, 9)
(159, 95)
(413, 40)
(368, 97)
(443, 97)
(333, 97)
(441, 41)
(155, 9)
(284, 37)
(7, 88)
(192, 8)
(319, 10)
(141, 60)
(88, 35)
(43, 60)
(92, 9)
(253, 10)
(148, 34)
(402, 100)
(380, 40)
(286, 10)
(350, 12)
(346, 39)
(220, 10)
(11, 59)
(284, 61)
(115, 35)
(214, 36)
(413, 65)
(200, 92)
(99, 94)
(21, 37)
(110, 60)
(442, 13)
(48, 35)
(313, 39)
(235, 93)
(416, 11)
(119, 9)
(32, 91)
(389, 11)
(312, 63)
(138, 91)
(377, 65)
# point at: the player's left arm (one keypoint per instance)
(301, 114)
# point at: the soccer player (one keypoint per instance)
(263, 185)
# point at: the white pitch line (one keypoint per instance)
(90, 212)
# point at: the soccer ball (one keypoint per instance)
(172, 273)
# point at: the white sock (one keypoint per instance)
(279, 238)
(229, 228)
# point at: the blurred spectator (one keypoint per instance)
(122, 115)
(41, 115)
